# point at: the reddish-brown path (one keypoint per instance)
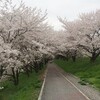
(57, 87)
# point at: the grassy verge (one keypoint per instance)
(82, 68)
(28, 88)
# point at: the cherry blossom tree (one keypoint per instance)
(18, 52)
(10, 64)
(90, 27)
(84, 33)
(17, 20)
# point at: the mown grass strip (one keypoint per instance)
(88, 72)
(28, 88)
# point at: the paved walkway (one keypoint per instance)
(58, 87)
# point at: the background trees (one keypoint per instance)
(84, 33)
(17, 20)
(22, 48)
(27, 42)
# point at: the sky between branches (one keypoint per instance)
(63, 8)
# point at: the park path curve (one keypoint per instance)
(58, 87)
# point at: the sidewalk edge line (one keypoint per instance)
(75, 86)
(42, 88)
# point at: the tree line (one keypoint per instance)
(28, 42)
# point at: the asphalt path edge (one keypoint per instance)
(74, 86)
(43, 84)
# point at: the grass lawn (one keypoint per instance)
(28, 88)
(83, 68)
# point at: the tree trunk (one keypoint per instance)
(67, 58)
(1, 70)
(93, 58)
(74, 58)
(26, 70)
(15, 75)
(36, 67)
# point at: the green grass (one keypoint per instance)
(88, 72)
(28, 88)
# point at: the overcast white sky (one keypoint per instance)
(64, 8)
